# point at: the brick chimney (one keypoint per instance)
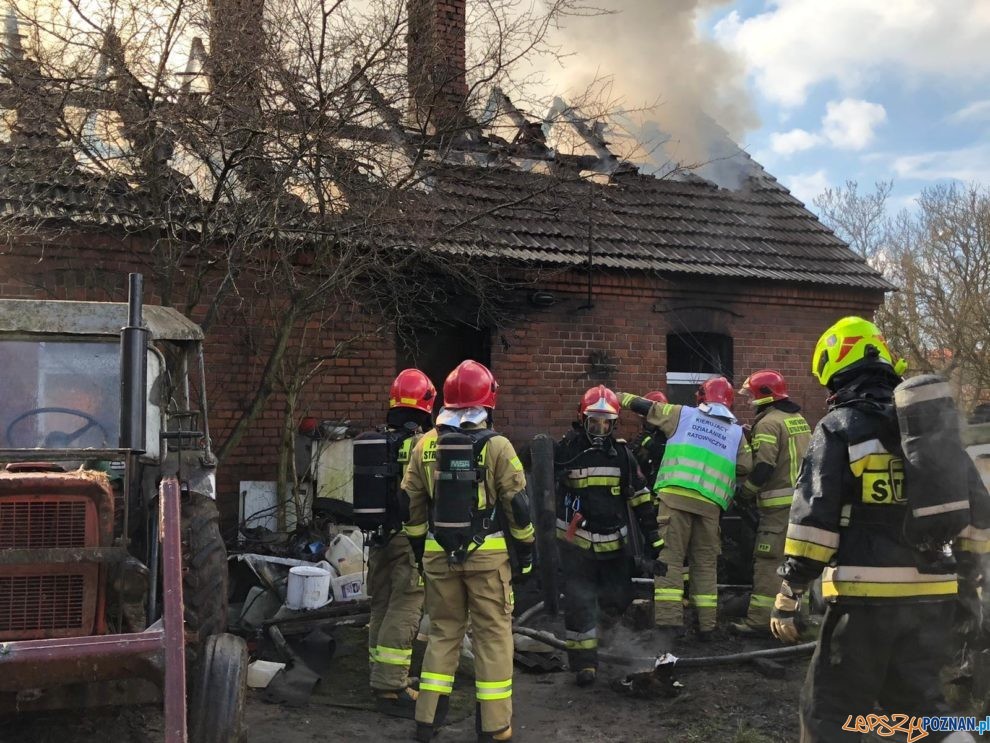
(436, 64)
(237, 46)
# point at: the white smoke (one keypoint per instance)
(690, 91)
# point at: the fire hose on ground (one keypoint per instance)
(550, 639)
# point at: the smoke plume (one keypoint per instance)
(654, 54)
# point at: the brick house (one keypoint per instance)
(641, 282)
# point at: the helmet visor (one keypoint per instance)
(598, 425)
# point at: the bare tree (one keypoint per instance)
(274, 177)
(858, 218)
(938, 257)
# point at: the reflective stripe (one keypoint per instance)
(593, 482)
(593, 472)
(862, 581)
(668, 594)
(700, 471)
(641, 498)
(392, 656)
(488, 691)
(416, 530)
(704, 600)
(941, 508)
(865, 448)
(658, 544)
(522, 534)
(799, 548)
(493, 542)
(582, 640)
(516, 464)
(813, 534)
(438, 682)
(924, 393)
(588, 540)
(764, 438)
(759, 601)
(776, 498)
(974, 540)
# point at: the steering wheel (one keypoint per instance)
(58, 439)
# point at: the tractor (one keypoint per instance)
(113, 572)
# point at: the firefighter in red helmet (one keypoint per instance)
(380, 508)
(597, 477)
(648, 446)
(779, 437)
(469, 523)
(706, 451)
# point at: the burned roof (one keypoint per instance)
(638, 222)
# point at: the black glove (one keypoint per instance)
(524, 558)
(418, 545)
(635, 403)
(659, 568)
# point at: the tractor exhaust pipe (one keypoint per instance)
(133, 370)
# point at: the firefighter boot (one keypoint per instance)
(397, 703)
(483, 737)
(425, 731)
(586, 676)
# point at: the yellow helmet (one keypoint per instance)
(851, 342)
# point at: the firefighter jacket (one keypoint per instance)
(849, 508)
(648, 449)
(704, 457)
(779, 440)
(504, 481)
(597, 483)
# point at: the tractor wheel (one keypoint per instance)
(204, 577)
(217, 691)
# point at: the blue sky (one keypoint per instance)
(862, 89)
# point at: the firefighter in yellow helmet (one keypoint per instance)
(779, 439)
(469, 523)
(706, 452)
(885, 634)
(380, 508)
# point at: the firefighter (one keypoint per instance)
(394, 582)
(885, 634)
(598, 476)
(779, 438)
(706, 452)
(469, 523)
(649, 444)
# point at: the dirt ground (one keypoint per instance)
(732, 705)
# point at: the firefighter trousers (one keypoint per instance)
(456, 596)
(396, 590)
(768, 553)
(695, 537)
(879, 653)
(592, 585)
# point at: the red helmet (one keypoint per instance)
(763, 386)
(412, 389)
(469, 385)
(716, 390)
(600, 401)
(656, 396)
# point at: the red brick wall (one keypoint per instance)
(541, 361)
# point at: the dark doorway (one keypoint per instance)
(436, 351)
(691, 359)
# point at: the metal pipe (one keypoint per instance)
(133, 371)
(208, 454)
(175, 645)
(790, 651)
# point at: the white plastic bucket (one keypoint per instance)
(309, 587)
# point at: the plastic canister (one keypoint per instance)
(346, 557)
(309, 586)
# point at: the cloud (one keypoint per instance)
(796, 44)
(849, 124)
(976, 111)
(966, 164)
(796, 140)
(806, 186)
